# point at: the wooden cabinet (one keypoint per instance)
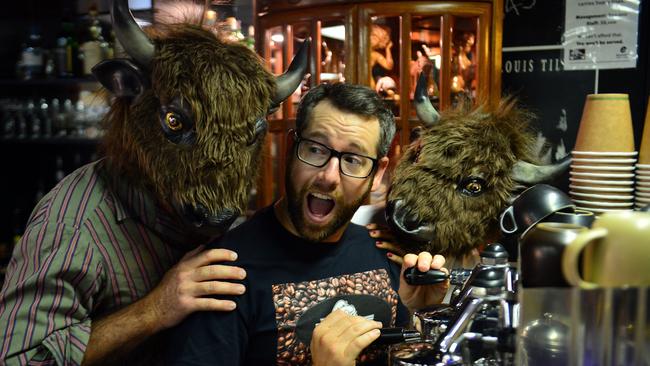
(384, 45)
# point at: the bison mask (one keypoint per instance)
(189, 118)
(453, 181)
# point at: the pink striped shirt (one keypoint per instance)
(87, 250)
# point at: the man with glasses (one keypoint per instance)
(317, 288)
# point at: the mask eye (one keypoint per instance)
(173, 121)
(472, 186)
(177, 123)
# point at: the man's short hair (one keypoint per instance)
(351, 98)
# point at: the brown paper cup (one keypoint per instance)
(606, 124)
(644, 150)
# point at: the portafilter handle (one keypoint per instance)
(415, 277)
(457, 277)
(396, 335)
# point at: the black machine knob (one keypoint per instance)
(494, 254)
(413, 276)
(489, 278)
(494, 250)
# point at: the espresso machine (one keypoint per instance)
(477, 327)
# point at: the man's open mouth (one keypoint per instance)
(319, 205)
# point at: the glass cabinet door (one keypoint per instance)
(448, 42)
(385, 45)
(282, 38)
(384, 59)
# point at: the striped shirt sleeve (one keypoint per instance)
(52, 282)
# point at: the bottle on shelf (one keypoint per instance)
(58, 118)
(21, 123)
(95, 48)
(30, 63)
(234, 29)
(44, 116)
(68, 47)
(250, 38)
(32, 120)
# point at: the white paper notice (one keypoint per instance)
(600, 34)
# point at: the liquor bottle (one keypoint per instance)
(32, 120)
(67, 40)
(30, 64)
(250, 38)
(234, 28)
(93, 50)
(44, 116)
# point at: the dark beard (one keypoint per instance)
(310, 232)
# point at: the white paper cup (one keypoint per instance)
(601, 161)
(603, 168)
(599, 204)
(601, 189)
(600, 182)
(603, 210)
(596, 197)
(603, 154)
(601, 175)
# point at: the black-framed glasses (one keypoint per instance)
(318, 155)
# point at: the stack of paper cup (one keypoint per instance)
(602, 168)
(643, 167)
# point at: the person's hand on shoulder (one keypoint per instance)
(418, 297)
(339, 339)
(190, 285)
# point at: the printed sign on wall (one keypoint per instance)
(601, 34)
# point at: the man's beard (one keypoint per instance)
(296, 202)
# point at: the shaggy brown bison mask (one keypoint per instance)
(189, 119)
(453, 182)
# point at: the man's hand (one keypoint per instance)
(418, 297)
(189, 285)
(339, 339)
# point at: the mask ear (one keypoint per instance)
(121, 77)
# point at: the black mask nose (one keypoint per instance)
(221, 220)
(406, 224)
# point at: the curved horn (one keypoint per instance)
(527, 173)
(289, 81)
(425, 111)
(128, 32)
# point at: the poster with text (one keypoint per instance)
(601, 34)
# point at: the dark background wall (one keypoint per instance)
(538, 77)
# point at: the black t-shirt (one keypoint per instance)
(291, 285)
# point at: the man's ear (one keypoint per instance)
(382, 164)
(121, 77)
